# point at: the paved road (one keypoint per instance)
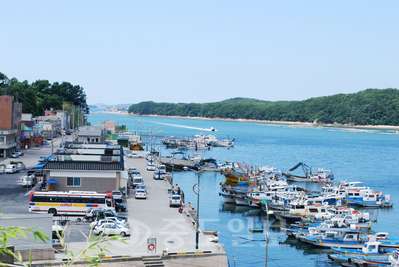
(15, 198)
(148, 218)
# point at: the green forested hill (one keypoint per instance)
(368, 107)
(41, 94)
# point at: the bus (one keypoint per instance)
(69, 203)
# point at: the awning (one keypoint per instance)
(52, 181)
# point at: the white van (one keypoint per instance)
(11, 169)
(162, 168)
(29, 180)
(137, 180)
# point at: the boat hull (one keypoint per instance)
(227, 198)
(241, 201)
(330, 243)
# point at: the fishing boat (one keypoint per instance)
(374, 200)
(394, 258)
(371, 250)
(209, 165)
(385, 241)
(333, 238)
(228, 198)
(241, 200)
(297, 178)
(233, 176)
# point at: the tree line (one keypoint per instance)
(368, 107)
(41, 95)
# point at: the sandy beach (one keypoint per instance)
(363, 127)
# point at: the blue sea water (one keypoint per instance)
(369, 156)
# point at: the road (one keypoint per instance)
(148, 218)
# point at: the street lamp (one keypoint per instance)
(151, 136)
(146, 133)
(52, 149)
(196, 190)
(153, 139)
(6, 81)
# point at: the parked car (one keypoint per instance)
(140, 194)
(49, 138)
(14, 155)
(11, 169)
(134, 155)
(110, 228)
(30, 180)
(162, 168)
(142, 187)
(89, 212)
(119, 206)
(150, 167)
(101, 214)
(175, 200)
(133, 170)
(137, 180)
(158, 175)
(21, 152)
(150, 156)
(42, 159)
(110, 219)
(117, 195)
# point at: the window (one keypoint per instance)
(73, 181)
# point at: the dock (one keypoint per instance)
(177, 164)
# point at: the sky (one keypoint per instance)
(202, 51)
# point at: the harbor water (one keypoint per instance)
(370, 156)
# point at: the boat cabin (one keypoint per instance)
(351, 236)
(373, 247)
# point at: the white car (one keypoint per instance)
(29, 180)
(158, 175)
(175, 200)
(140, 194)
(11, 169)
(117, 195)
(108, 219)
(110, 228)
(142, 187)
(134, 155)
(150, 167)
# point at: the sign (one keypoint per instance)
(152, 245)
(264, 201)
(23, 135)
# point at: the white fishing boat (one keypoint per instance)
(394, 258)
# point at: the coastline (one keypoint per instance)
(297, 123)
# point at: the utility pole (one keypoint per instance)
(267, 231)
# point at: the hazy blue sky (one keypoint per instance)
(202, 51)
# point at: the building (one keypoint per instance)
(93, 134)
(109, 126)
(10, 125)
(87, 167)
